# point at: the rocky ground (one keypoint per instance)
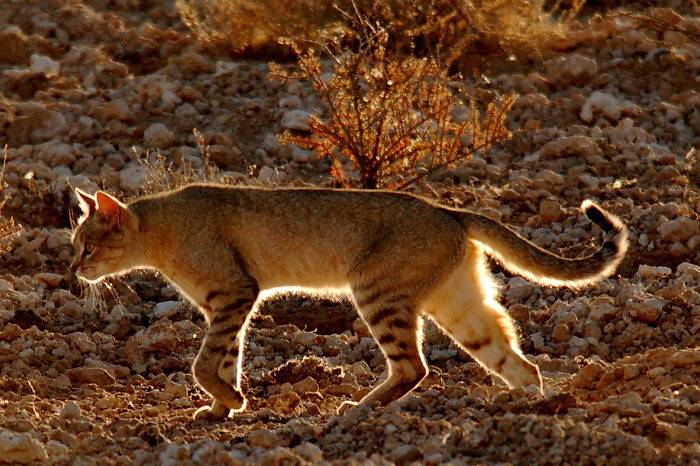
(92, 89)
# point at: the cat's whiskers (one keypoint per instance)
(110, 287)
(96, 297)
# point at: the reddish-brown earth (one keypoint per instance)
(91, 88)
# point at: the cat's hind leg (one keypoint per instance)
(465, 306)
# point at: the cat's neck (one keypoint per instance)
(152, 250)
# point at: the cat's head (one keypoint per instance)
(105, 239)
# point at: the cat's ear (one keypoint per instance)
(109, 208)
(87, 203)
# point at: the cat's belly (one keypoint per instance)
(297, 269)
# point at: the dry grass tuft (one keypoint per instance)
(8, 226)
(162, 175)
(392, 117)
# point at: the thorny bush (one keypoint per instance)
(393, 117)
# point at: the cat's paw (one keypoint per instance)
(346, 406)
(216, 412)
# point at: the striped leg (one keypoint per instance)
(395, 325)
(217, 367)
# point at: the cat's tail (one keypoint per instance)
(525, 258)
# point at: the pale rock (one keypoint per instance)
(678, 433)
(132, 177)
(169, 100)
(603, 308)
(85, 375)
(437, 354)
(115, 370)
(45, 65)
(679, 229)
(211, 453)
(57, 154)
(226, 67)
(573, 69)
(279, 456)
(161, 335)
(629, 404)
(519, 290)
(306, 385)
(262, 438)
(296, 120)
(643, 240)
(116, 109)
(309, 452)
(158, 136)
(647, 310)
(20, 448)
(70, 411)
(174, 454)
(607, 105)
(550, 211)
(6, 285)
(361, 369)
(175, 389)
(686, 268)
(55, 448)
(650, 271)
(404, 454)
(579, 145)
(167, 309)
(685, 358)
(266, 174)
(284, 402)
(186, 110)
(51, 280)
(35, 118)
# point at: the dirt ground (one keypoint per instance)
(90, 88)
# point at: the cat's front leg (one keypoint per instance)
(217, 368)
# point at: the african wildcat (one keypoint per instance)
(396, 254)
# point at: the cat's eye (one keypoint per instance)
(89, 249)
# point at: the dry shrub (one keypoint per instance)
(391, 116)
(460, 29)
(8, 227)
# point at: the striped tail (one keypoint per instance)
(525, 258)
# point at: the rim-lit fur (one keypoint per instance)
(396, 255)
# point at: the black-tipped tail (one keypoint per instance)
(525, 258)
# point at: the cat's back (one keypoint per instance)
(327, 212)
